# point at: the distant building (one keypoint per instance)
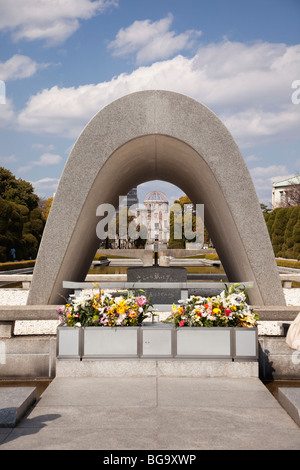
(132, 197)
(154, 215)
(129, 200)
(286, 193)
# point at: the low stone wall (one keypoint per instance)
(277, 361)
(28, 357)
(35, 357)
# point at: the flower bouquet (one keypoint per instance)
(100, 309)
(229, 309)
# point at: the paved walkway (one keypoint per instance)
(154, 413)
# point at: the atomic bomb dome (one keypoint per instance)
(155, 196)
(154, 215)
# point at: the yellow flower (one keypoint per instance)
(216, 310)
(122, 307)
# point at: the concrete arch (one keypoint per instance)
(156, 135)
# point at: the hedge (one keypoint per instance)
(284, 229)
(17, 265)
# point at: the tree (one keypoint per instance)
(17, 190)
(177, 223)
(21, 221)
(46, 206)
(292, 192)
(265, 208)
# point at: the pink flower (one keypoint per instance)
(141, 301)
(181, 323)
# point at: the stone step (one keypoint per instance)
(155, 368)
(14, 403)
(289, 398)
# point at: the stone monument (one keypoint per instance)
(156, 135)
(159, 274)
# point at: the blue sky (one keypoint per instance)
(61, 61)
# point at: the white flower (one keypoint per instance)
(120, 319)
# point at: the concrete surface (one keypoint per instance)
(150, 413)
(152, 133)
(290, 400)
(277, 361)
(155, 368)
(14, 403)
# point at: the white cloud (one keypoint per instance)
(272, 172)
(46, 159)
(45, 186)
(251, 158)
(264, 177)
(263, 125)
(44, 147)
(19, 66)
(7, 114)
(49, 159)
(51, 21)
(151, 40)
(254, 100)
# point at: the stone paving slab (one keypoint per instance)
(155, 413)
(14, 403)
(290, 400)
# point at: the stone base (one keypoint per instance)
(155, 368)
(15, 401)
(289, 398)
(277, 361)
(27, 357)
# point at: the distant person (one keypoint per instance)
(13, 254)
